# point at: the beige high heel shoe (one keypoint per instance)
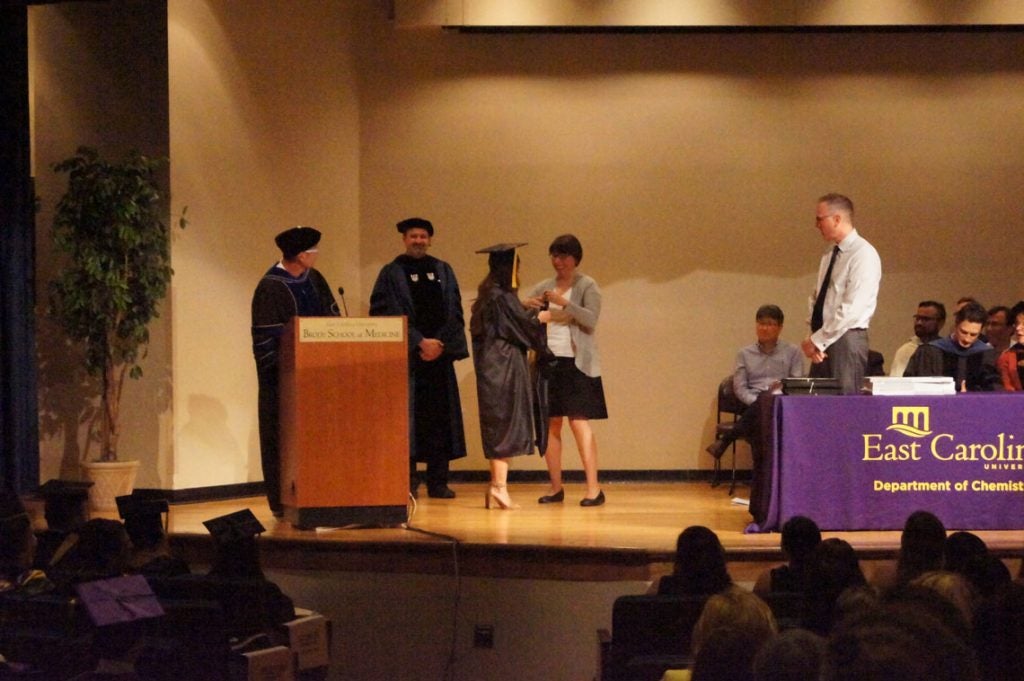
(499, 495)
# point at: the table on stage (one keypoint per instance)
(866, 462)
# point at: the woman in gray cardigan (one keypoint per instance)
(571, 304)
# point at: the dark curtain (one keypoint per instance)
(19, 430)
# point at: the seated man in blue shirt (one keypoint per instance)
(760, 367)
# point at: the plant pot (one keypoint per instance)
(111, 479)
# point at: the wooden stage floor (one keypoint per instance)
(631, 537)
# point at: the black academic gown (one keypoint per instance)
(502, 333)
(391, 297)
(974, 366)
(278, 297)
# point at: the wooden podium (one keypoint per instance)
(344, 421)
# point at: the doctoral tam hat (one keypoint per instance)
(412, 223)
(296, 240)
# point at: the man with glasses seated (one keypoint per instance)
(928, 322)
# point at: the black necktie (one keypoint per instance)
(817, 315)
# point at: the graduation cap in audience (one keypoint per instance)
(64, 501)
(143, 515)
(234, 527)
(119, 600)
(504, 257)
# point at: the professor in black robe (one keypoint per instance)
(424, 290)
(290, 288)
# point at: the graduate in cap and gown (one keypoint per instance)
(144, 521)
(503, 331)
(65, 509)
(292, 287)
(237, 574)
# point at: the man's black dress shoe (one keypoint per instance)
(556, 498)
(445, 492)
(596, 501)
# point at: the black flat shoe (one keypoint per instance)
(596, 501)
(556, 498)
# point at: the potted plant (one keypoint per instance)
(108, 225)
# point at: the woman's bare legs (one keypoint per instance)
(498, 491)
(587, 444)
(553, 456)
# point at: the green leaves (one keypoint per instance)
(108, 228)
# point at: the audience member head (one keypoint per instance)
(800, 535)
(567, 244)
(143, 519)
(729, 654)
(1017, 321)
(921, 546)
(855, 601)
(898, 643)
(961, 547)
(999, 634)
(65, 504)
(770, 312)
(733, 608)
(987, 574)
(929, 320)
(236, 554)
(999, 327)
(832, 568)
(98, 549)
(966, 300)
(951, 586)
(700, 561)
(793, 655)
(968, 324)
(768, 326)
(17, 541)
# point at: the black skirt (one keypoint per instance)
(574, 394)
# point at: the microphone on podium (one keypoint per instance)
(341, 292)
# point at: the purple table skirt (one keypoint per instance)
(867, 462)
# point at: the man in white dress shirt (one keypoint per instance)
(844, 298)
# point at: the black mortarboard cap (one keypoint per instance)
(234, 526)
(65, 490)
(133, 506)
(503, 255)
(142, 513)
(410, 223)
(502, 248)
(296, 240)
(64, 502)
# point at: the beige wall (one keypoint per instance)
(688, 164)
(98, 75)
(264, 135)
